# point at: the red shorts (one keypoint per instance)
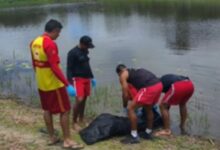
(56, 101)
(179, 93)
(83, 86)
(149, 95)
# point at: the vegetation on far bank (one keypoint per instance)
(20, 3)
(20, 124)
(14, 3)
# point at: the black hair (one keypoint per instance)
(120, 67)
(52, 24)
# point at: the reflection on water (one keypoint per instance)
(164, 38)
(179, 40)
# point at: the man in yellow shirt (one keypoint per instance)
(52, 83)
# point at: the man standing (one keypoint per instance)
(52, 83)
(80, 74)
(178, 90)
(148, 88)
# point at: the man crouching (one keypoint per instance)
(149, 89)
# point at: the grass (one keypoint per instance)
(20, 124)
(104, 99)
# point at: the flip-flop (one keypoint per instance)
(163, 133)
(74, 147)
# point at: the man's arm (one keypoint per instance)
(69, 70)
(53, 60)
(32, 57)
(125, 101)
(124, 85)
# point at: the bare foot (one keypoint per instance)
(70, 144)
(83, 123)
(53, 140)
(184, 132)
(163, 133)
(77, 127)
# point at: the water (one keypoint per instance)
(164, 39)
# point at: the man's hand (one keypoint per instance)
(125, 111)
(126, 96)
(124, 84)
(125, 101)
(94, 83)
(71, 90)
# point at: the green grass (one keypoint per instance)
(20, 124)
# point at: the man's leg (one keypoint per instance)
(134, 138)
(132, 115)
(150, 118)
(48, 118)
(75, 110)
(64, 122)
(87, 92)
(76, 113)
(82, 110)
(164, 109)
(187, 90)
(183, 117)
